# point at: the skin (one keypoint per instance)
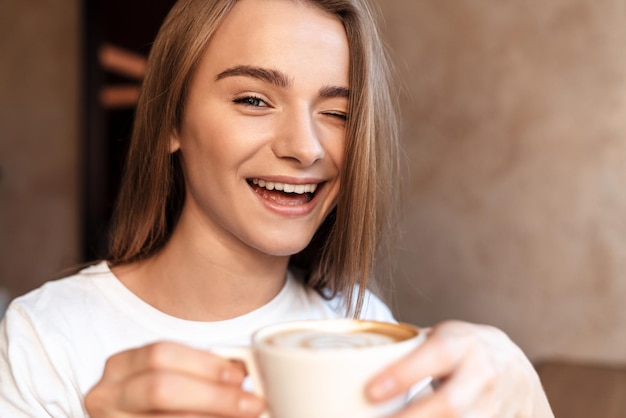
(482, 374)
(268, 106)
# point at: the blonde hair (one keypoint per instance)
(344, 250)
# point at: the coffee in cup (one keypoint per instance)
(319, 368)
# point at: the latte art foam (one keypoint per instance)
(328, 340)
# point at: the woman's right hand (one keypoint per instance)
(171, 380)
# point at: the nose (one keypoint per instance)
(298, 139)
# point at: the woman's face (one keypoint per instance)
(263, 131)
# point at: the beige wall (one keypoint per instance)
(514, 124)
(39, 128)
(515, 127)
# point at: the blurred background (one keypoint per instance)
(514, 126)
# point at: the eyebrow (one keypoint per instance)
(277, 78)
(334, 91)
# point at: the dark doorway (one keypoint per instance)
(118, 36)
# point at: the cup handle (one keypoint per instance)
(245, 355)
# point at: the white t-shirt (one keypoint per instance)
(55, 340)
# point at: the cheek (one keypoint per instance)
(234, 138)
(336, 151)
(208, 141)
(333, 139)
(340, 154)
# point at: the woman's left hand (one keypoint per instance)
(481, 374)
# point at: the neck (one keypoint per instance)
(202, 279)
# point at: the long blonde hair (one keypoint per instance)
(344, 250)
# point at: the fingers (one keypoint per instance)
(166, 391)
(174, 358)
(171, 378)
(482, 373)
(436, 357)
(468, 392)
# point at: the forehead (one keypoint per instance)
(273, 12)
(277, 33)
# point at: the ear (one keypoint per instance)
(174, 141)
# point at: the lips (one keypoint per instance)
(287, 194)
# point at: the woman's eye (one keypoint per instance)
(251, 101)
(339, 115)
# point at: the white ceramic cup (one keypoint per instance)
(319, 368)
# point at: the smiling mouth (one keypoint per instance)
(284, 193)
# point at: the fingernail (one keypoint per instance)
(382, 388)
(250, 405)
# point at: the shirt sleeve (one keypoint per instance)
(30, 383)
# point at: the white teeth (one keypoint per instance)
(286, 187)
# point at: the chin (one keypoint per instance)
(283, 251)
(283, 247)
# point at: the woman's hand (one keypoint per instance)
(171, 380)
(480, 372)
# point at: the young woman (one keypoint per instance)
(257, 190)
